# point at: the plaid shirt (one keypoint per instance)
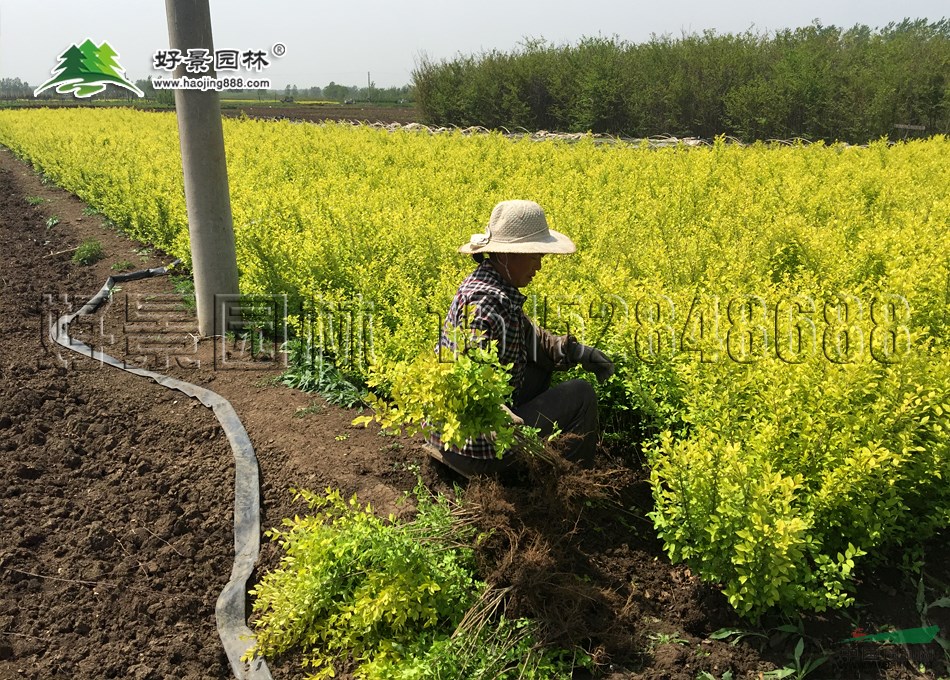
(486, 302)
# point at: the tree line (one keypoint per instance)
(14, 88)
(815, 82)
(341, 93)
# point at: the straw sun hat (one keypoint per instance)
(518, 227)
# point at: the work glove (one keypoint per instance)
(515, 418)
(593, 360)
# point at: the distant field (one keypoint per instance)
(226, 100)
(306, 110)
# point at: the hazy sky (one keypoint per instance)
(342, 40)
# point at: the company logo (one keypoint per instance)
(86, 69)
(197, 65)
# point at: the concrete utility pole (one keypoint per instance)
(206, 175)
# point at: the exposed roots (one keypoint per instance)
(531, 554)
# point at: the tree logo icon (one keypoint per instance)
(86, 70)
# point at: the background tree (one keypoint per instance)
(816, 82)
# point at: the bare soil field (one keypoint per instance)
(115, 527)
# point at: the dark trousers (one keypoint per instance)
(571, 405)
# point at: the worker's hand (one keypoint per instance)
(515, 418)
(593, 360)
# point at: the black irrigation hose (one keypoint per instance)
(229, 610)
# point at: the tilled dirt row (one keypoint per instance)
(115, 528)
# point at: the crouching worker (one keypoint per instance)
(489, 304)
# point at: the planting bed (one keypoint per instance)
(115, 528)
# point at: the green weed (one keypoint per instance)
(313, 407)
(706, 675)
(658, 639)
(799, 668)
(89, 252)
(184, 285)
(311, 370)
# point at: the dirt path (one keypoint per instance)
(116, 508)
(115, 527)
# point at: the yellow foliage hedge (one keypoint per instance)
(779, 314)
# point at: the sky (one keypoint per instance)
(352, 41)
